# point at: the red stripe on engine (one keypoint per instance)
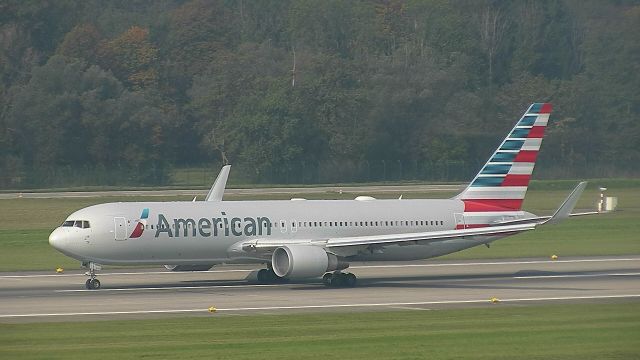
(481, 205)
(536, 132)
(546, 108)
(516, 180)
(526, 156)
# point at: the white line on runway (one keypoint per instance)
(352, 267)
(574, 276)
(327, 306)
(130, 273)
(492, 263)
(170, 288)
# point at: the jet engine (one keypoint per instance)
(304, 261)
(188, 267)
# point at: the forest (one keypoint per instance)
(129, 92)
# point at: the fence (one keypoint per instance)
(203, 175)
(327, 172)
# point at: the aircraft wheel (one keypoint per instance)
(263, 276)
(94, 284)
(326, 279)
(350, 280)
(337, 280)
(87, 284)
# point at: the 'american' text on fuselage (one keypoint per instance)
(207, 227)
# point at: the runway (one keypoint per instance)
(422, 285)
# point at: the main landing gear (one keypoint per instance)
(339, 279)
(268, 276)
(92, 282)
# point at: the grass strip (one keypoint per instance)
(576, 331)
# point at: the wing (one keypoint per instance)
(349, 245)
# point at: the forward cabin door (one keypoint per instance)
(120, 228)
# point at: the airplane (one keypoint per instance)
(305, 239)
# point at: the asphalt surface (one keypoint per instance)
(148, 293)
(254, 191)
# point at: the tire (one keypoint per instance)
(263, 276)
(350, 280)
(337, 280)
(326, 279)
(94, 284)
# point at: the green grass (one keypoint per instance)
(576, 331)
(26, 223)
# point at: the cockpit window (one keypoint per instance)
(82, 224)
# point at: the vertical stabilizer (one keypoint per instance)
(217, 189)
(502, 182)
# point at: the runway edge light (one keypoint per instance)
(59, 270)
(554, 257)
(212, 309)
(494, 300)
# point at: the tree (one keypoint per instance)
(132, 58)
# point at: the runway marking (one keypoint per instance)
(410, 308)
(327, 306)
(131, 273)
(574, 276)
(169, 288)
(352, 267)
(493, 263)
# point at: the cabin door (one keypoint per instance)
(120, 228)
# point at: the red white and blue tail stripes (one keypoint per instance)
(502, 183)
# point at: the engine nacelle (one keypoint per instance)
(304, 261)
(188, 267)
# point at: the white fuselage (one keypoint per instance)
(215, 232)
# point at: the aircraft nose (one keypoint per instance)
(57, 239)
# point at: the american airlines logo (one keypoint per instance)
(140, 224)
(215, 226)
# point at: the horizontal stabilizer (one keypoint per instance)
(564, 211)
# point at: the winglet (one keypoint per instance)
(217, 189)
(564, 211)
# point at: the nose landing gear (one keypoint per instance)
(92, 282)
